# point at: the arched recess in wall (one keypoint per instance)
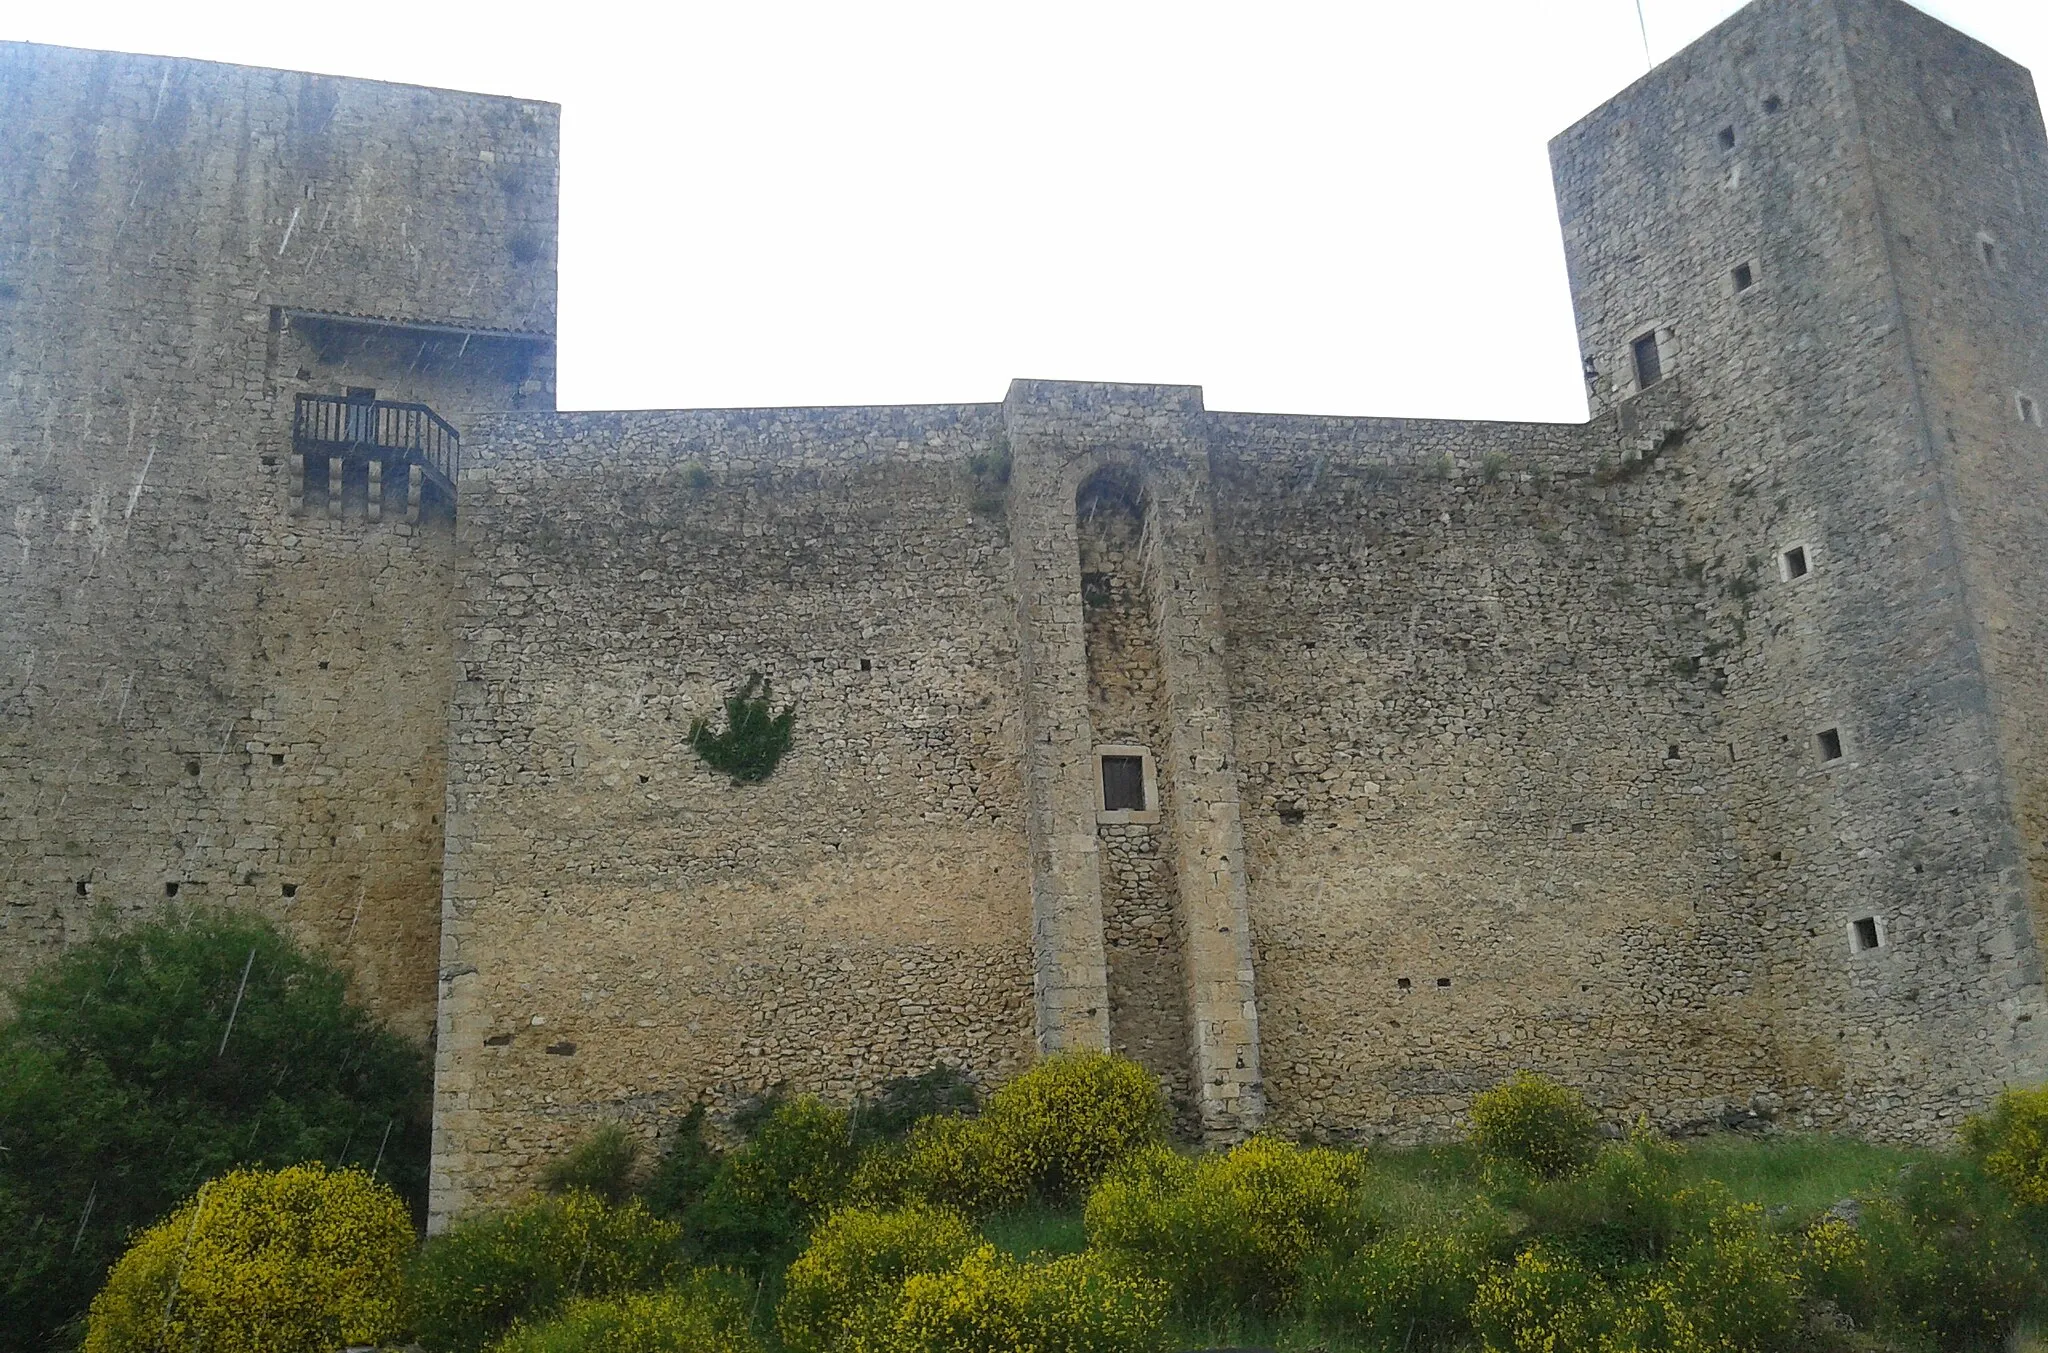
(1143, 938)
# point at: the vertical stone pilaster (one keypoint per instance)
(1071, 982)
(1060, 434)
(1208, 838)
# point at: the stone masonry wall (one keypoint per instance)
(1812, 431)
(202, 698)
(627, 931)
(1484, 789)
(1141, 912)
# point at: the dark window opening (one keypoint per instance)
(1990, 251)
(1727, 138)
(1772, 103)
(191, 767)
(1744, 277)
(1293, 817)
(2028, 413)
(1123, 784)
(867, 665)
(277, 758)
(1443, 981)
(1830, 740)
(291, 890)
(1403, 983)
(170, 890)
(1866, 932)
(84, 888)
(1649, 361)
(1795, 562)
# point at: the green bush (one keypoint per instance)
(848, 1280)
(1078, 1304)
(1069, 1118)
(1228, 1230)
(906, 1101)
(766, 1194)
(1534, 1124)
(1953, 1262)
(470, 1284)
(293, 1261)
(685, 1171)
(1624, 1257)
(2011, 1144)
(707, 1313)
(961, 1163)
(131, 1073)
(601, 1163)
(1409, 1290)
(1627, 1208)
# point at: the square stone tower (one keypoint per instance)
(1824, 222)
(226, 297)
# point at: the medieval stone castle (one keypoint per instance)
(1696, 755)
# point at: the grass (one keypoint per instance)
(1037, 1230)
(1795, 1175)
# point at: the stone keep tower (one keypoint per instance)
(242, 313)
(1827, 221)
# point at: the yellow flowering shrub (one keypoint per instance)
(1728, 1286)
(1833, 1260)
(1409, 1289)
(848, 1279)
(1232, 1228)
(2011, 1142)
(1545, 1302)
(960, 1163)
(706, 1313)
(1078, 1304)
(1535, 1124)
(261, 1261)
(470, 1284)
(1071, 1117)
(1953, 1261)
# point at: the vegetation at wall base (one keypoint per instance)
(144, 1061)
(1083, 1231)
(298, 1260)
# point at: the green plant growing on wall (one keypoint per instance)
(755, 737)
(990, 471)
(1493, 466)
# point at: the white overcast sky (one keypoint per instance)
(1304, 207)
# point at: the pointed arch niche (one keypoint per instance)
(1143, 933)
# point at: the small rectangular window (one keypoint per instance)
(1990, 251)
(1793, 561)
(2030, 412)
(1123, 784)
(1649, 362)
(1743, 276)
(1865, 933)
(1727, 138)
(1830, 740)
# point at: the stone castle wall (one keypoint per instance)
(1471, 746)
(627, 931)
(202, 697)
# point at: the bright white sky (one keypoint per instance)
(1323, 206)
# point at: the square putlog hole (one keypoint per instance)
(1829, 741)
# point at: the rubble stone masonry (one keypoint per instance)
(1691, 755)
